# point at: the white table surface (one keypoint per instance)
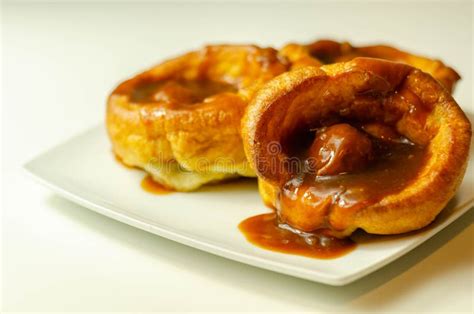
(59, 61)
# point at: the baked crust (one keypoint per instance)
(306, 95)
(323, 52)
(185, 143)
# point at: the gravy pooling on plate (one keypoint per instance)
(264, 231)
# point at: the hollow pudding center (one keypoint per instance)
(347, 170)
(178, 91)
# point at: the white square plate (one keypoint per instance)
(84, 170)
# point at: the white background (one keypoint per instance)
(59, 61)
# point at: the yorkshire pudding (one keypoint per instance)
(367, 143)
(327, 51)
(180, 121)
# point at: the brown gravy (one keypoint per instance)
(393, 170)
(178, 91)
(309, 202)
(149, 185)
(265, 232)
(311, 206)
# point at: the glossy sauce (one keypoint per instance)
(328, 52)
(361, 166)
(393, 170)
(151, 186)
(265, 232)
(310, 201)
(178, 91)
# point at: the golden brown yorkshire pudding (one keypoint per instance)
(327, 51)
(367, 143)
(180, 121)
